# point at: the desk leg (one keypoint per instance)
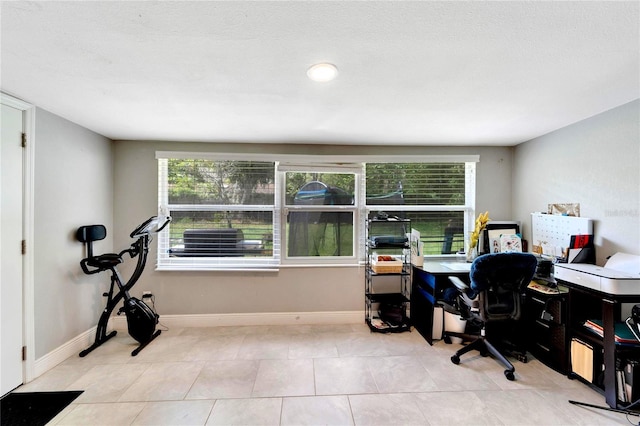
(422, 314)
(608, 325)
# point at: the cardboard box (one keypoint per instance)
(386, 266)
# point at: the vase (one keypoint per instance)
(472, 253)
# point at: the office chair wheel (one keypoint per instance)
(455, 359)
(509, 375)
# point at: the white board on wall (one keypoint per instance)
(551, 234)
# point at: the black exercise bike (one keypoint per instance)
(141, 319)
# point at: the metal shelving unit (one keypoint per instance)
(387, 282)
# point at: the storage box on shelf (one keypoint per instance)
(383, 264)
(387, 275)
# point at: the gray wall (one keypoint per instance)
(595, 162)
(82, 178)
(73, 187)
(290, 289)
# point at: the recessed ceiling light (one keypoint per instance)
(322, 72)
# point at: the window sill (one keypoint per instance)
(176, 268)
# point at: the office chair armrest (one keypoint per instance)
(460, 285)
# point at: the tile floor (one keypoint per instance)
(310, 375)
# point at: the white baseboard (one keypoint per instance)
(263, 318)
(84, 340)
(71, 348)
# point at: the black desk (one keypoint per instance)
(545, 326)
(586, 303)
(428, 285)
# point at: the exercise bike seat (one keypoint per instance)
(104, 261)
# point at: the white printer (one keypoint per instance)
(620, 275)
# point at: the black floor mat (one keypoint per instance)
(33, 408)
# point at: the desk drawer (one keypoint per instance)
(554, 309)
(548, 334)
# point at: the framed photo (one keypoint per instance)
(510, 243)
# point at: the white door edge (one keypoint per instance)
(28, 319)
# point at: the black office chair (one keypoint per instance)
(497, 283)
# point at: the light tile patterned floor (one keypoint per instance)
(310, 375)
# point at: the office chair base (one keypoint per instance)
(481, 344)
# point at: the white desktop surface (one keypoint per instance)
(446, 266)
(606, 280)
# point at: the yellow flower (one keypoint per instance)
(481, 223)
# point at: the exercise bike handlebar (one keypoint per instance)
(150, 226)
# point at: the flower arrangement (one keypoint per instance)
(481, 223)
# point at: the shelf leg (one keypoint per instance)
(608, 325)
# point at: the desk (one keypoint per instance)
(545, 322)
(428, 284)
(586, 303)
(596, 293)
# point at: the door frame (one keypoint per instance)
(28, 179)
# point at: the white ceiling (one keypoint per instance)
(411, 73)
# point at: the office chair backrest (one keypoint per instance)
(499, 280)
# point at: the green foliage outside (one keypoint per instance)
(197, 182)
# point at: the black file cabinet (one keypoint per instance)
(546, 323)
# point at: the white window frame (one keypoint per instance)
(468, 208)
(306, 163)
(291, 166)
(169, 263)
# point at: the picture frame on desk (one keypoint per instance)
(493, 230)
(510, 243)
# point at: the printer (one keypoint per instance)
(619, 276)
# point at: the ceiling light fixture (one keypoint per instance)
(322, 72)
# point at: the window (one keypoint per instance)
(320, 213)
(223, 214)
(241, 212)
(437, 197)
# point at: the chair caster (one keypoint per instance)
(509, 375)
(455, 359)
(447, 340)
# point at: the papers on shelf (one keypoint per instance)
(541, 288)
(623, 336)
